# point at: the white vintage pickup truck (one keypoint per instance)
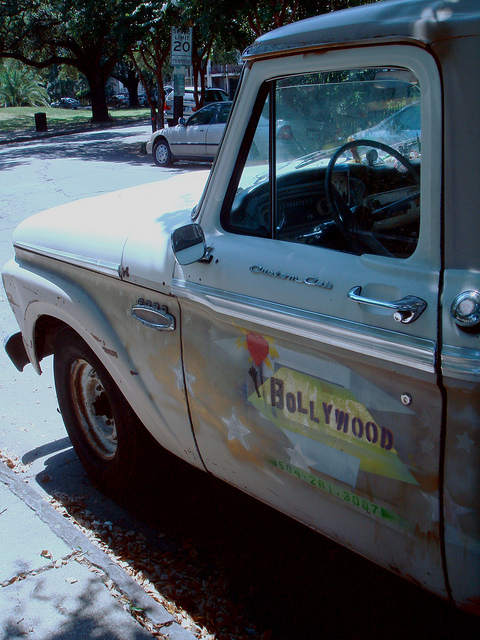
(305, 323)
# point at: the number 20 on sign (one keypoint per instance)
(181, 51)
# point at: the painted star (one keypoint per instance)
(298, 458)
(434, 507)
(427, 446)
(213, 333)
(180, 381)
(465, 442)
(453, 511)
(236, 430)
(178, 371)
(189, 380)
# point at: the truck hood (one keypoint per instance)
(125, 232)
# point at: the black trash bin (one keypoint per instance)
(41, 121)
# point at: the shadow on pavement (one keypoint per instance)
(46, 449)
(68, 602)
(121, 146)
(264, 575)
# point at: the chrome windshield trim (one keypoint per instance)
(402, 349)
(461, 362)
(99, 266)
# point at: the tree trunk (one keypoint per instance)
(131, 83)
(98, 96)
(154, 59)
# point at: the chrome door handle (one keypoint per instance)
(153, 315)
(406, 310)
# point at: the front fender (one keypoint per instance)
(96, 307)
(33, 294)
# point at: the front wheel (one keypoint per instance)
(105, 432)
(162, 154)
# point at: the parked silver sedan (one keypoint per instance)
(197, 138)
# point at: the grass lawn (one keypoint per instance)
(16, 120)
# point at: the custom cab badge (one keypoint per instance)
(311, 280)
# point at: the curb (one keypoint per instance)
(154, 612)
(43, 135)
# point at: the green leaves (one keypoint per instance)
(93, 36)
(21, 86)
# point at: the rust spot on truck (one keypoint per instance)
(11, 301)
(110, 352)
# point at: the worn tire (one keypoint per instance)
(162, 154)
(104, 430)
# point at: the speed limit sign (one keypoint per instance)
(181, 52)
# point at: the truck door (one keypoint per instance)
(310, 338)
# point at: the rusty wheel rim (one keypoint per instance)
(93, 409)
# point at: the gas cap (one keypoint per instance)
(466, 309)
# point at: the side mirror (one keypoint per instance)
(182, 121)
(188, 244)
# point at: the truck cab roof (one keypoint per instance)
(422, 21)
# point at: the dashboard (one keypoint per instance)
(380, 200)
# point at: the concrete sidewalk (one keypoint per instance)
(55, 583)
(30, 135)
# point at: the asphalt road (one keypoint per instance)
(240, 568)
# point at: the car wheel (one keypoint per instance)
(105, 432)
(162, 154)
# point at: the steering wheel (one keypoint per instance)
(354, 225)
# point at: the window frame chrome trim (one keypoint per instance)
(411, 351)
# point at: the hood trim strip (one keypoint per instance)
(92, 264)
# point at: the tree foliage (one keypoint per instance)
(88, 35)
(218, 23)
(20, 86)
(94, 36)
(154, 21)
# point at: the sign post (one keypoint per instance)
(181, 57)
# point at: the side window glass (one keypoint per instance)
(202, 117)
(251, 211)
(334, 161)
(222, 116)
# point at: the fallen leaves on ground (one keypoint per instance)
(13, 462)
(196, 596)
